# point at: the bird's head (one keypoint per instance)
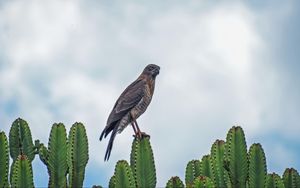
(151, 70)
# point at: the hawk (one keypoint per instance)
(132, 103)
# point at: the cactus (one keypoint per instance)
(4, 160)
(203, 182)
(257, 166)
(20, 140)
(55, 157)
(291, 178)
(22, 173)
(123, 175)
(219, 174)
(205, 166)
(112, 182)
(142, 163)
(77, 154)
(274, 181)
(175, 182)
(191, 172)
(236, 162)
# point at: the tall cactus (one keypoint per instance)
(22, 173)
(219, 174)
(236, 157)
(55, 157)
(4, 160)
(123, 176)
(192, 171)
(142, 163)
(257, 166)
(77, 154)
(175, 182)
(203, 182)
(274, 181)
(20, 140)
(205, 166)
(291, 178)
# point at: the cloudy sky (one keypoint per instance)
(222, 64)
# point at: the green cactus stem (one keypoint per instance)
(257, 167)
(142, 163)
(274, 181)
(205, 166)
(291, 178)
(191, 172)
(77, 154)
(4, 160)
(175, 182)
(123, 175)
(55, 157)
(203, 182)
(236, 161)
(20, 140)
(219, 174)
(22, 173)
(112, 182)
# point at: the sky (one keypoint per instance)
(223, 63)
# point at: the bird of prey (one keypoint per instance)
(132, 103)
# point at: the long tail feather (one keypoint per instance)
(110, 143)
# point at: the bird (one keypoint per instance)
(131, 104)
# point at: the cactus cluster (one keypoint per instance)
(141, 171)
(229, 164)
(64, 156)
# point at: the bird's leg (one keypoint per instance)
(134, 129)
(140, 134)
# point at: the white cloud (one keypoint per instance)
(83, 57)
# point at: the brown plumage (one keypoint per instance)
(132, 103)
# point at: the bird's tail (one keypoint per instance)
(110, 143)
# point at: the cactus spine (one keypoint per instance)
(77, 154)
(22, 173)
(175, 182)
(123, 176)
(192, 171)
(236, 157)
(142, 163)
(219, 174)
(291, 178)
(4, 160)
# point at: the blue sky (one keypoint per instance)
(222, 64)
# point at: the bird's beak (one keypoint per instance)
(156, 71)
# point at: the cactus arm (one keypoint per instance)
(77, 154)
(203, 182)
(142, 163)
(112, 182)
(20, 140)
(44, 154)
(22, 173)
(191, 172)
(219, 174)
(205, 166)
(291, 178)
(274, 181)
(4, 160)
(257, 166)
(236, 157)
(57, 160)
(123, 175)
(175, 182)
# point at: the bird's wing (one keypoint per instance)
(131, 96)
